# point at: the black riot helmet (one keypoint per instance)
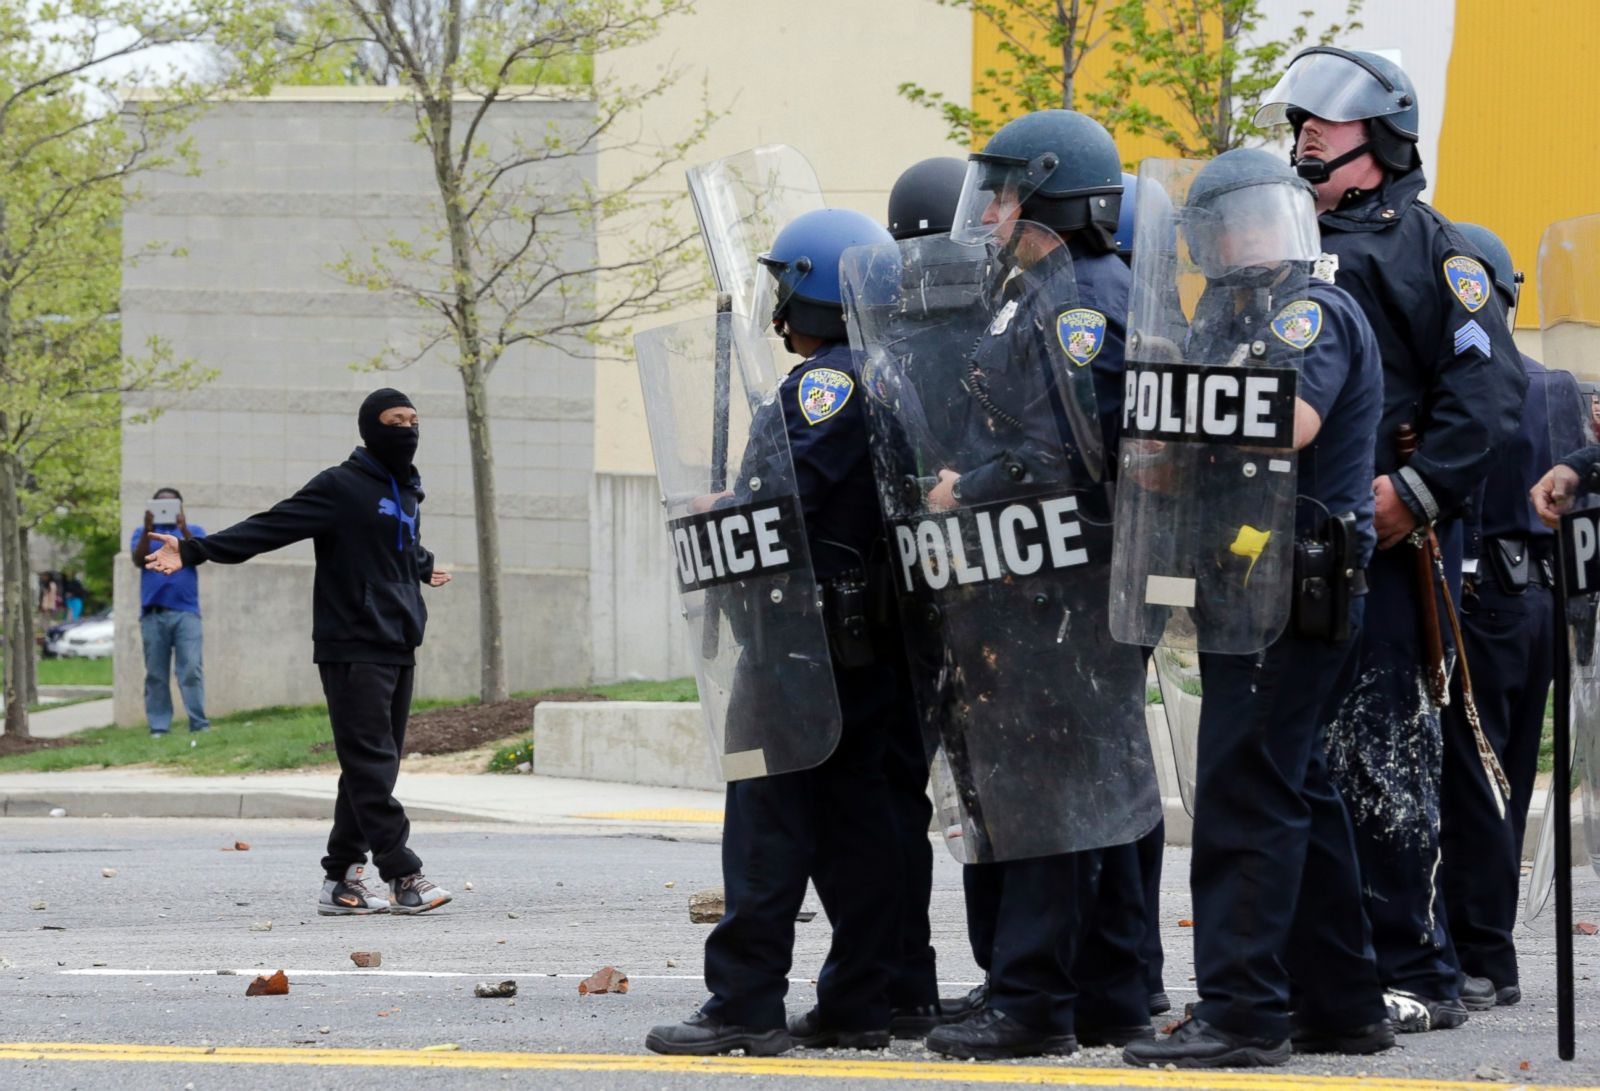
(1496, 255)
(1057, 168)
(924, 198)
(1348, 85)
(1246, 216)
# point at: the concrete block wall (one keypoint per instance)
(289, 185)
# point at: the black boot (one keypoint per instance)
(919, 1021)
(991, 1035)
(962, 1007)
(701, 1036)
(1477, 993)
(1198, 1044)
(1355, 1042)
(1090, 1035)
(1413, 1014)
(809, 1032)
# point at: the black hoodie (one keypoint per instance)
(367, 601)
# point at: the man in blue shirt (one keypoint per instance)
(169, 623)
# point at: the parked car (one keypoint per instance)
(87, 638)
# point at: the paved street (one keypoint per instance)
(117, 978)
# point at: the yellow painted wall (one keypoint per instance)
(1521, 142)
(986, 55)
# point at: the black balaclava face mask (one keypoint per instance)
(393, 445)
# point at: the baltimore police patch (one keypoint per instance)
(1469, 280)
(823, 392)
(1082, 332)
(1298, 324)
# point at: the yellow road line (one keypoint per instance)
(1033, 1075)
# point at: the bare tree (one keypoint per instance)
(527, 250)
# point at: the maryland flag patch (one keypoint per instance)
(823, 392)
(1469, 282)
(1298, 324)
(1082, 333)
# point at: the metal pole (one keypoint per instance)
(720, 393)
(1560, 808)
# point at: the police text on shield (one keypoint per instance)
(1013, 538)
(737, 543)
(1244, 406)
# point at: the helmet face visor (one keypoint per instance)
(1332, 87)
(992, 196)
(1253, 227)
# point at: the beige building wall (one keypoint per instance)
(821, 77)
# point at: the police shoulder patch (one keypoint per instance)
(823, 392)
(1298, 324)
(1469, 281)
(1082, 333)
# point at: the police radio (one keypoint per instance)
(1325, 579)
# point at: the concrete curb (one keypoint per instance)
(179, 803)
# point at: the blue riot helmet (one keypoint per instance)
(1057, 168)
(924, 198)
(1247, 215)
(804, 267)
(1495, 254)
(1124, 233)
(1348, 85)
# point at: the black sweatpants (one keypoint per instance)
(368, 704)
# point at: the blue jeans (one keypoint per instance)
(169, 632)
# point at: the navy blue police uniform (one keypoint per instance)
(1274, 879)
(1507, 622)
(1452, 372)
(1062, 938)
(831, 824)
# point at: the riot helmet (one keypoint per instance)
(1124, 232)
(1057, 168)
(923, 200)
(1507, 281)
(1348, 85)
(1246, 216)
(804, 270)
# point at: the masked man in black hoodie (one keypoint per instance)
(367, 621)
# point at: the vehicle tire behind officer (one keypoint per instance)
(832, 824)
(1452, 374)
(1273, 874)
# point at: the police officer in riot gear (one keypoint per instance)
(1273, 875)
(1060, 935)
(922, 202)
(831, 824)
(1508, 623)
(1453, 377)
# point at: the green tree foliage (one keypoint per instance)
(93, 93)
(1042, 44)
(1207, 66)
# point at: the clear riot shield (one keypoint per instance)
(987, 451)
(1207, 468)
(742, 202)
(1178, 677)
(739, 548)
(1569, 312)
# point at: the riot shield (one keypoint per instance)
(987, 451)
(1207, 469)
(1178, 677)
(739, 548)
(742, 202)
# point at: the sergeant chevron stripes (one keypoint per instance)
(1472, 335)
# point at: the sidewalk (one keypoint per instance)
(521, 800)
(54, 723)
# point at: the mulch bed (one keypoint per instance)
(467, 727)
(23, 744)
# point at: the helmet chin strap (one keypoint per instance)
(1317, 171)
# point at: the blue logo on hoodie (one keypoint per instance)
(388, 507)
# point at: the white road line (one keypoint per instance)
(499, 975)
